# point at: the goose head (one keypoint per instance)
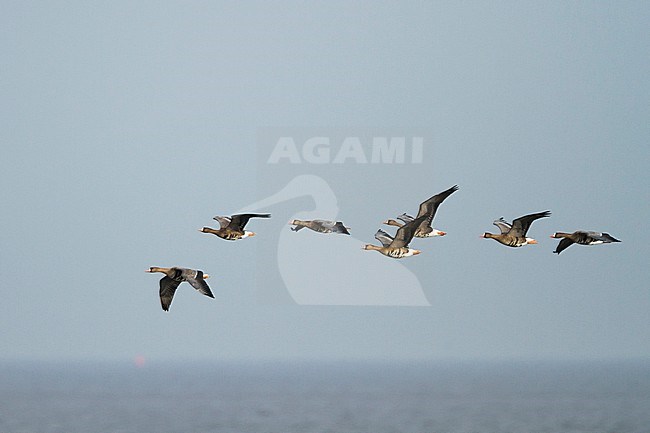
(392, 222)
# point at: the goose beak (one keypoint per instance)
(148, 270)
(443, 233)
(206, 276)
(416, 252)
(532, 242)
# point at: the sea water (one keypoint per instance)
(347, 397)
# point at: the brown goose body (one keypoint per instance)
(514, 235)
(581, 237)
(397, 247)
(427, 208)
(320, 226)
(232, 228)
(174, 277)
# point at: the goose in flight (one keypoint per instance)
(397, 247)
(320, 226)
(232, 228)
(581, 237)
(428, 208)
(173, 277)
(514, 235)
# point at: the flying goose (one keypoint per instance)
(514, 235)
(582, 238)
(173, 277)
(320, 226)
(428, 208)
(397, 247)
(232, 228)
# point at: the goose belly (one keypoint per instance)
(515, 243)
(399, 253)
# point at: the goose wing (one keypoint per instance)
(521, 225)
(326, 224)
(223, 221)
(168, 287)
(605, 238)
(383, 237)
(339, 227)
(239, 221)
(563, 245)
(405, 233)
(503, 225)
(430, 206)
(333, 226)
(195, 278)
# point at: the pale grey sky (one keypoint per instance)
(127, 126)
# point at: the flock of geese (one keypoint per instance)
(513, 234)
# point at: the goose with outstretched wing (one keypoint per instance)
(320, 226)
(398, 246)
(427, 208)
(232, 228)
(581, 237)
(174, 277)
(514, 235)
